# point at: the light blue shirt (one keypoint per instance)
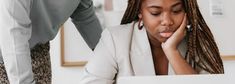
(25, 23)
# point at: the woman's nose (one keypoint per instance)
(166, 20)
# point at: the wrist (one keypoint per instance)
(170, 52)
(169, 49)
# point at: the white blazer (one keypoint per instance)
(122, 51)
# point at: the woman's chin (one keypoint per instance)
(163, 40)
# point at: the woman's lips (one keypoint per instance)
(166, 34)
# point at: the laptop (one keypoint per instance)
(179, 79)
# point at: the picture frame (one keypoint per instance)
(64, 54)
(228, 57)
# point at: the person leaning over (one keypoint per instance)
(27, 26)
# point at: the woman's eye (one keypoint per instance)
(177, 11)
(155, 13)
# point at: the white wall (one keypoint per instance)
(221, 27)
(229, 67)
(64, 75)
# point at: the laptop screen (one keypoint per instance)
(178, 79)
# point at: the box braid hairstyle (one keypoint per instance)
(202, 50)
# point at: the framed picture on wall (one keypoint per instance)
(228, 57)
(74, 50)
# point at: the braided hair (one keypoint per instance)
(202, 50)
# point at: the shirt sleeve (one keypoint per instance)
(87, 23)
(15, 32)
(1, 60)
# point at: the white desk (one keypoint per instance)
(178, 79)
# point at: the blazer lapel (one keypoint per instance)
(141, 56)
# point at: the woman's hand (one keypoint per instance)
(173, 42)
(179, 64)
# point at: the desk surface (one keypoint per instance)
(179, 79)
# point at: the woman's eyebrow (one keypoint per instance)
(159, 7)
(154, 6)
(176, 4)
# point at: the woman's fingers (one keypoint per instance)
(177, 37)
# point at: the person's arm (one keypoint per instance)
(102, 67)
(87, 23)
(170, 48)
(1, 59)
(15, 33)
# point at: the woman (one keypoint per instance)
(153, 40)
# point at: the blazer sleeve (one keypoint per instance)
(102, 68)
(87, 23)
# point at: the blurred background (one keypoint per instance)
(217, 13)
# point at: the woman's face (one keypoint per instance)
(161, 18)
